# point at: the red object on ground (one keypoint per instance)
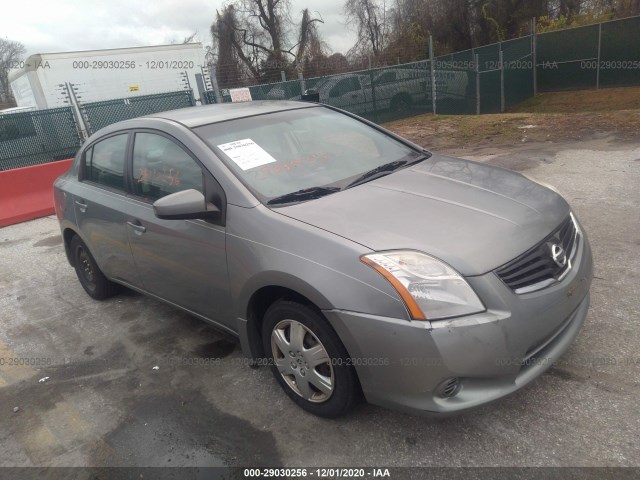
(27, 193)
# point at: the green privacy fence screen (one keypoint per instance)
(602, 55)
(486, 79)
(34, 137)
(98, 115)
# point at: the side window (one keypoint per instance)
(386, 77)
(346, 85)
(336, 91)
(104, 162)
(161, 167)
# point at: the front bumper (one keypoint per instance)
(401, 363)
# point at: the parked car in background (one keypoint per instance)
(350, 261)
(399, 89)
(394, 89)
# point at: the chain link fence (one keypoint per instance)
(481, 80)
(593, 56)
(40, 136)
(486, 79)
(97, 115)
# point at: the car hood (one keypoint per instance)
(473, 216)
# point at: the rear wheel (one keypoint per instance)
(309, 360)
(91, 277)
(401, 104)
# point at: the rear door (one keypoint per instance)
(100, 204)
(182, 261)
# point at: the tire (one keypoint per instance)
(401, 104)
(90, 276)
(295, 337)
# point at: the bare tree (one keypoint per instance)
(191, 38)
(230, 57)
(623, 8)
(256, 33)
(410, 22)
(310, 43)
(11, 53)
(369, 18)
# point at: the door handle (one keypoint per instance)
(139, 229)
(81, 205)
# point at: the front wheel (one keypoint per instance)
(309, 360)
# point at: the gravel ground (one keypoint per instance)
(91, 395)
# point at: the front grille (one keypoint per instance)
(537, 268)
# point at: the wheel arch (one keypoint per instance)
(262, 292)
(400, 96)
(67, 234)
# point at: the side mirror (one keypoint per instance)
(184, 205)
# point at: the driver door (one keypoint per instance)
(182, 261)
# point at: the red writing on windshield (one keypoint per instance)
(305, 160)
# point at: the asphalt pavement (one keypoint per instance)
(86, 390)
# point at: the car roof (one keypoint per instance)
(206, 114)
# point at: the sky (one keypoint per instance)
(46, 26)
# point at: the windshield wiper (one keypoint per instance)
(387, 167)
(384, 169)
(304, 194)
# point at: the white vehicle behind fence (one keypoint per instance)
(395, 89)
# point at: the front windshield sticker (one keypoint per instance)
(246, 153)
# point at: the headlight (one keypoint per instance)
(429, 288)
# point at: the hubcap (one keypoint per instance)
(302, 361)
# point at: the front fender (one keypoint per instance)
(274, 278)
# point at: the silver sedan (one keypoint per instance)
(350, 261)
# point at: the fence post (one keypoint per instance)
(206, 77)
(599, 49)
(187, 84)
(534, 55)
(83, 131)
(301, 80)
(283, 76)
(201, 88)
(432, 72)
(214, 81)
(501, 62)
(477, 68)
(373, 93)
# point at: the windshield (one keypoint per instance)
(285, 152)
